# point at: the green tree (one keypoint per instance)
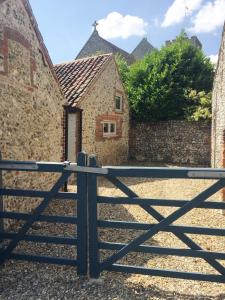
(122, 67)
(200, 106)
(157, 85)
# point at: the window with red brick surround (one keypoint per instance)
(118, 101)
(110, 119)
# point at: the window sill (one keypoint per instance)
(118, 111)
(110, 136)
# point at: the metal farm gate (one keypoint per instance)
(65, 170)
(89, 246)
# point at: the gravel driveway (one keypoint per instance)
(21, 280)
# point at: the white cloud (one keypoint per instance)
(214, 58)
(211, 16)
(156, 22)
(116, 25)
(178, 10)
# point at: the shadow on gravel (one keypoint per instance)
(120, 290)
(35, 281)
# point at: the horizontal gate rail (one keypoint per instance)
(37, 194)
(165, 251)
(44, 259)
(166, 273)
(42, 218)
(169, 173)
(176, 229)
(158, 202)
(51, 167)
(62, 240)
(34, 166)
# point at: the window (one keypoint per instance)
(109, 128)
(118, 103)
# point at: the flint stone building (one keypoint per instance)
(218, 110)
(29, 98)
(97, 45)
(96, 115)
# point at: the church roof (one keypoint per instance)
(76, 77)
(142, 49)
(96, 44)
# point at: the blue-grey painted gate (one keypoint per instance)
(65, 170)
(165, 224)
(88, 223)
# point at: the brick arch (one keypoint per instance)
(34, 24)
(14, 35)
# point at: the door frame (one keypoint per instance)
(71, 110)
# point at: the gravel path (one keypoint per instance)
(21, 280)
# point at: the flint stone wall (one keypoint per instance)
(30, 101)
(218, 110)
(177, 142)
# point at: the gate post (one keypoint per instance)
(94, 262)
(82, 257)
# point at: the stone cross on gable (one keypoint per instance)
(186, 8)
(95, 24)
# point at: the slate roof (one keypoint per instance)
(76, 77)
(142, 49)
(96, 44)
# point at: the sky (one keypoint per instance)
(67, 25)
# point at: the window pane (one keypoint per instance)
(118, 102)
(112, 128)
(105, 127)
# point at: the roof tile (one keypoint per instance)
(75, 77)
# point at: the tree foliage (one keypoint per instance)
(161, 86)
(200, 106)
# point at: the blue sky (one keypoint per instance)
(66, 25)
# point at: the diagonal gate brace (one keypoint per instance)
(164, 222)
(5, 254)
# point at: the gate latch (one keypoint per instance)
(75, 168)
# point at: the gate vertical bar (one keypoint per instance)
(94, 267)
(82, 250)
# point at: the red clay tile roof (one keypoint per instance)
(75, 77)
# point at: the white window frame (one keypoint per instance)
(121, 103)
(108, 133)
